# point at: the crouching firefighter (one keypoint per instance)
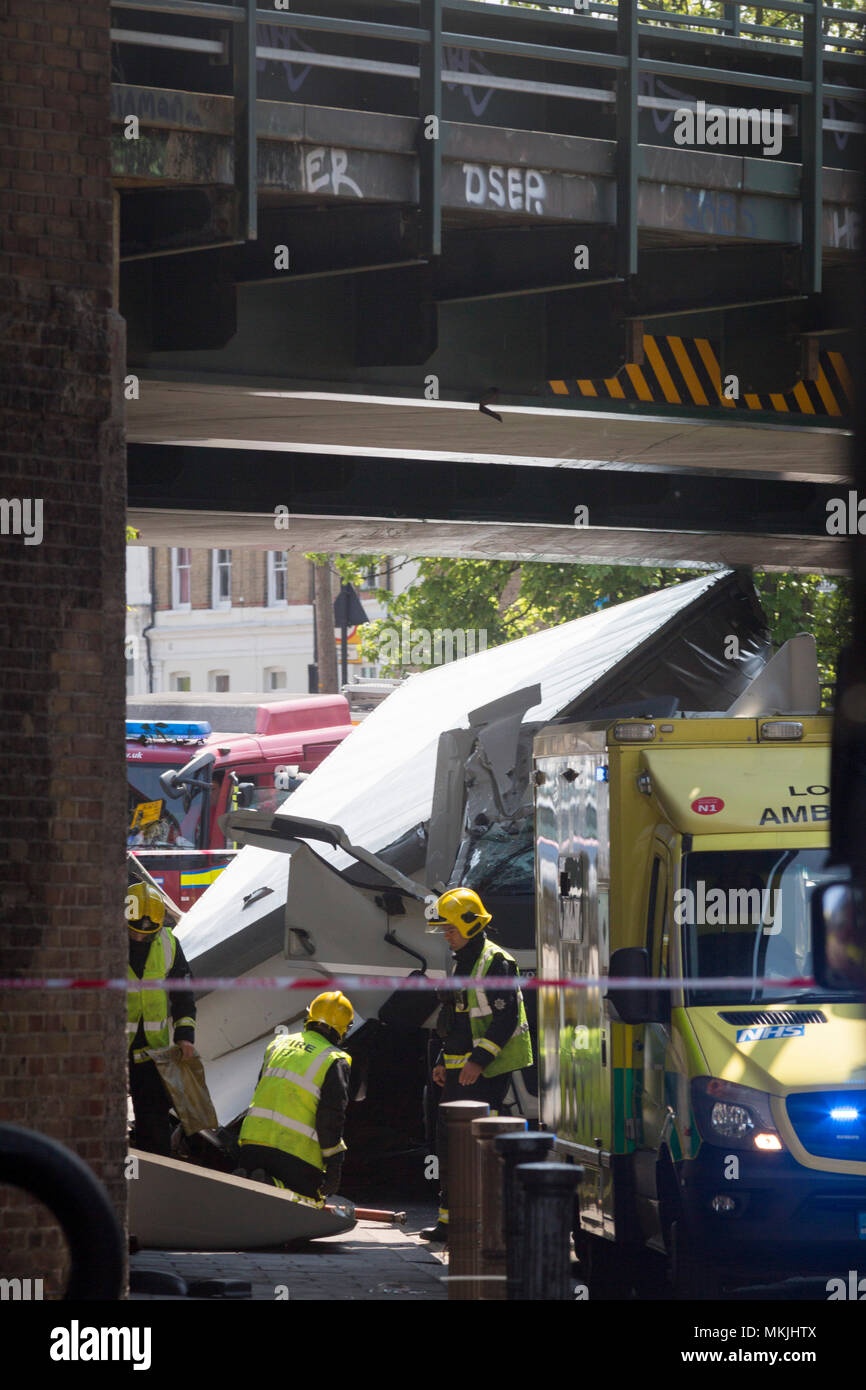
(292, 1134)
(485, 1035)
(154, 954)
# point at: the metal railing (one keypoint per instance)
(625, 26)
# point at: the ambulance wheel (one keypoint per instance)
(608, 1270)
(693, 1274)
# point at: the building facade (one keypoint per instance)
(229, 620)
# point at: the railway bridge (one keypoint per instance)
(447, 277)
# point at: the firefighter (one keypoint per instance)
(292, 1134)
(485, 1035)
(154, 954)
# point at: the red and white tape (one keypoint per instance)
(357, 983)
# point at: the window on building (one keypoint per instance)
(278, 593)
(218, 680)
(275, 679)
(221, 579)
(181, 584)
(179, 681)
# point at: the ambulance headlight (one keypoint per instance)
(736, 1116)
(733, 1121)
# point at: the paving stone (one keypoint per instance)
(373, 1263)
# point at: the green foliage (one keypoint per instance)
(352, 569)
(795, 603)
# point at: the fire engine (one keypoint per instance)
(182, 777)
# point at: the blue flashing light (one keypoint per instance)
(601, 774)
(168, 732)
(845, 1112)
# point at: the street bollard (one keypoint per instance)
(548, 1194)
(462, 1192)
(491, 1240)
(514, 1149)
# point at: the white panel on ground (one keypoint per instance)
(231, 1079)
(178, 1206)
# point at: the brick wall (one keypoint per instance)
(298, 582)
(249, 578)
(162, 578)
(62, 795)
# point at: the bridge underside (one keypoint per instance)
(485, 541)
(225, 493)
(544, 434)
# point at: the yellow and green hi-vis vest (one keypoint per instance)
(151, 1005)
(517, 1051)
(283, 1111)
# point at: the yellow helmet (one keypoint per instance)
(461, 908)
(142, 902)
(332, 1009)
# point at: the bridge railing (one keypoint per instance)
(719, 29)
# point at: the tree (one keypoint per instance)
(809, 603)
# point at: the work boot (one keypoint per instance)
(438, 1233)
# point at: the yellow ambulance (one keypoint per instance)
(719, 1116)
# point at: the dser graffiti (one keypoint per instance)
(491, 185)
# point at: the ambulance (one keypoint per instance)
(718, 1112)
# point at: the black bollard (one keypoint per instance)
(514, 1149)
(548, 1196)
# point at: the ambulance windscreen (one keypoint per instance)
(746, 914)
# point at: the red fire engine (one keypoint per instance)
(182, 777)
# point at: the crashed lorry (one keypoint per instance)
(435, 789)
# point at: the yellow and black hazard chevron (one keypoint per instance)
(685, 371)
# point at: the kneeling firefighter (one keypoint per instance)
(293, 1131)
(485, 1034)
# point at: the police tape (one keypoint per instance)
(357, 983)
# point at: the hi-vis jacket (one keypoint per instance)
(148, 1010)
(283, 1113)
(488, 1027)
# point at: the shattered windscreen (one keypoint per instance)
(503, 859)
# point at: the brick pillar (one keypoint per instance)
(62, 548)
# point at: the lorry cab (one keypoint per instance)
(718, 1110)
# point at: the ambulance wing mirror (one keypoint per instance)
(839, 937)
(634, 1005)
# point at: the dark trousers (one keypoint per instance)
(299, 1176)
(151, 1104)
(490, 1089)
